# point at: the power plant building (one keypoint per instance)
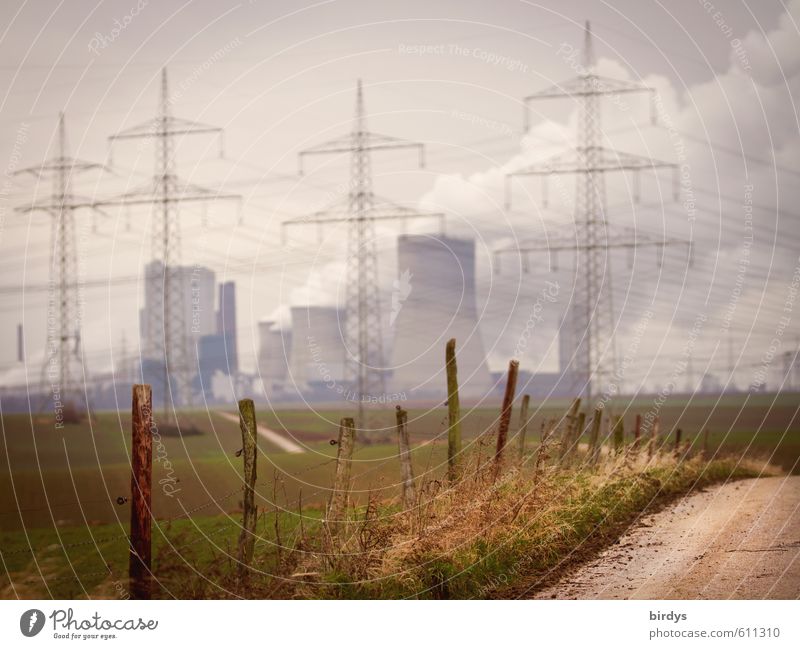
(318, 356)
(197, 287)
(433, 299)
(274, 349)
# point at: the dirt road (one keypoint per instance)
(740, 540)
(279, 440)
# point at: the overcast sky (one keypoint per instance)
(280, 76)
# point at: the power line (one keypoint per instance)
(166, 315)
(63, 341)
(360, 210)
(591, 316)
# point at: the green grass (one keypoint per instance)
(75, 562)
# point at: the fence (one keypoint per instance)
(566, 431)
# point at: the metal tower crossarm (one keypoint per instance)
(601, 160)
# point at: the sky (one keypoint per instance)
(281, 76)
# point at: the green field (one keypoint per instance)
(70, 486)
(74, 476)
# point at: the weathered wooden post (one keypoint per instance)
(594, 436)
(247, 537)
(678, 433)
(567, 440)
(505, 416)
(141, 481)
(651, 448)
(542, 456)
(523, 426)
(637, 433)
(340, 497)
(406, 469)
(619, 434)
(576, 435)
(453, 412)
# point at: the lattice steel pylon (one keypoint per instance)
(361, 209)
(165, 192)
(63, 348)
(592, 236)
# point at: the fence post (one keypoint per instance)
(637, 433)
(594, 436)
(406, 469)
(341, 483)
(569, 432)
(247, 537)
(678, 433)
(542, 456)
(653, 437)
(505, 416)
(453, 412)
(577, 432)
(619, 434)
(523, 425)
(141, 481)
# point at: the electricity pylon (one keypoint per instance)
(63, 348)
(591, 237)
(361, 209)
(165, 192)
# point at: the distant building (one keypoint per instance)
(212, 357)
(318, 356)
(274, 349)
(710, 383)
(226, 324)
(196, 284)
(433, 300)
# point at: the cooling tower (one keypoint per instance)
(273, 354)
(318, 351)
(433, 300)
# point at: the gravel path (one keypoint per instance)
(740, 540)
(288, 445)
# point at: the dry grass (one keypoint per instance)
(475, 538)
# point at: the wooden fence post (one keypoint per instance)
(653, 437)
(569, 431)
(505, 416)
(523, 426)
(406, 469)
(247, 537)
(141, 481)
(542, 456)
(678, 433)
(341, 484)
(594, 436)
(576, 434)
(619, 434)
(637, 433)
(453, 412)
